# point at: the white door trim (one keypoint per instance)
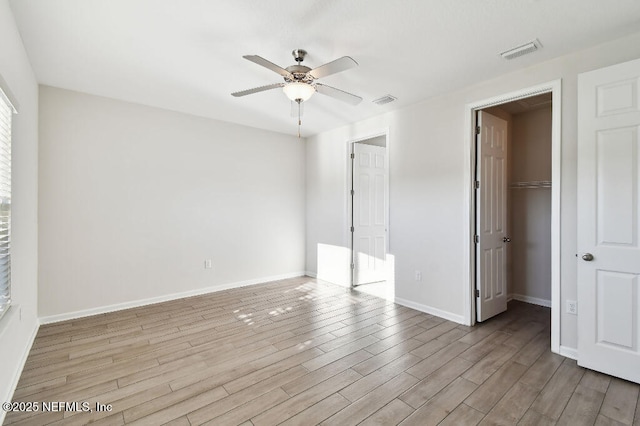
(348, 208)
(555, 88)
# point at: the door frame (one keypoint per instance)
(348, 236)
(555, 88)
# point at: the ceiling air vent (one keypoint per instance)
(526, 48)
(384, 100)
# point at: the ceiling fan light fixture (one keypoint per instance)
(299, 91)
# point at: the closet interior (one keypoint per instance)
(529, 197)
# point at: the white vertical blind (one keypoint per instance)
(6, 112)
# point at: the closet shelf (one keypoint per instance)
(534, 184)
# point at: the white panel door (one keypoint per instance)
(369, 213)
(491, 217)
(608, 220)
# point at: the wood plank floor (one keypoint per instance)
(303, 352)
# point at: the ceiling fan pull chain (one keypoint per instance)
(299, 120)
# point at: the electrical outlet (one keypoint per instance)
(207, 264)
(418, 276)
(572, 307)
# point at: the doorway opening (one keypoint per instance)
(369, 214)
(513, 205)
(513, 197)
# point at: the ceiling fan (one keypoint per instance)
(300, 81)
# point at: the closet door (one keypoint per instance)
(491, 218)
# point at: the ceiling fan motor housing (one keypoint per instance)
(300, 73)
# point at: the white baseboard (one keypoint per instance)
(311, 274)
(529, 299)
(569, 352)
(23, 360)
(153, 300)
(430, 310)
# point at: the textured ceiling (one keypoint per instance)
(186, 55)
(527, 104)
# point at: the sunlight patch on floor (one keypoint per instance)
(383, 289)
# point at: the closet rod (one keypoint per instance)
(535, 184)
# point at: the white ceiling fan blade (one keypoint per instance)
(269, 65)
(333, 67)
(257, 90)
(338, 94)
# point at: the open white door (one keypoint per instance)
(491, 217)
(369, 213)
(608, 220)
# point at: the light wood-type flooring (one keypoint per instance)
(304, 352)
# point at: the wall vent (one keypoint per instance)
(384, 100)
(524, 49)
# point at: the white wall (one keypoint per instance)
(133, 199)
(18, 326)
(426, 183)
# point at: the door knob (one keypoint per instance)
(588, 257)
(506, 240)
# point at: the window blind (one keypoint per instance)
(6, 112)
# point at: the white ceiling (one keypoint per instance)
(186, 55)
(525, 105)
